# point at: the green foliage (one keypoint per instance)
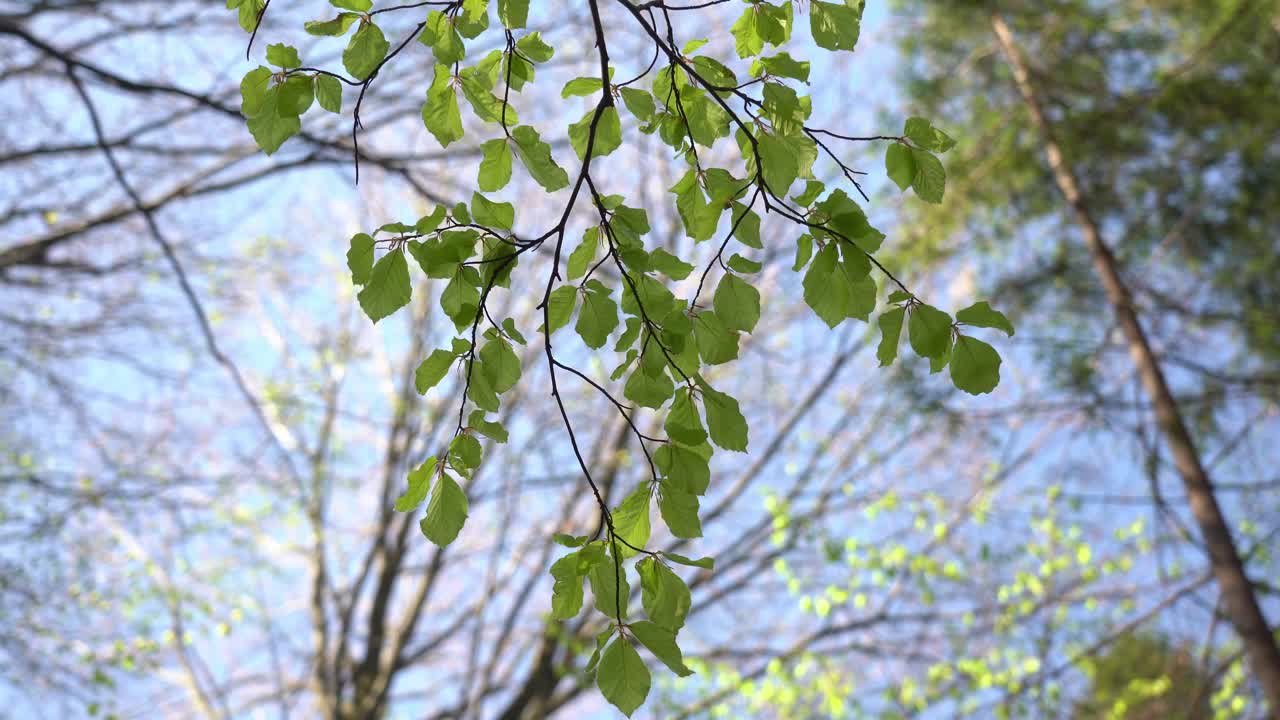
(662, 344)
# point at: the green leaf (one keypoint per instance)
(501, 365)
(446, 513)
(432, 370)
(365, 51)
(254, 89)
(646, 390)
(738, 263)
(781, 65)
(834, 26)
(442, 37)
(570, 541)
(283, 56)
(388, 288)
(717, 344)
(513, 13)
(781, 166)
(465, 452)
(980, 314)
(492, 430)
(664, 595)
(737, 303)
(359, 6)
(975, 366)
(536, 157)
(623, 677)
(683, 423)
(929, 330)
(679, 511)
(585, 254)
(493, 215)
(685, 468)
(270, 127)
(927, 137)
(931, 177)
(640, 103)
(533, 47)
(360, 258)
(440, 113)
(900, 165)
(728, 427)
(705, 562)
(662, 643)
(579, 87)
(296, 95)
(560, 306)
(669, 265)
(495, 166)
(609, 585)
(419, 485)
(631, 520)
(608, 133)
(598, 317)
(569, 572)
(824, 288)
(890, 330)
(332, 28)
(329, 93)
(460, 299)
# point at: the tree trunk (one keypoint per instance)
(1239, 600)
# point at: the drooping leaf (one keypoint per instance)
(980, 314)
(622, 676)
(662, 643)
(890, 330)
(975, 365)
(446, 513)
(419, 485)
(388, 288)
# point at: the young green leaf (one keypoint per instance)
(728, 427)
(608, 133)
(737, 303)
(835, 26)
(513, 13)
(388, 288)
(705, 563)
(975, 366)
(679, 511)
(446, 513)
(663, 594)
(283, 56)
(535, 155)
(622, 676)
(495, 165)
(440, 113)
(560, 306)
(929, 330)
(980, 314)
(900, 165)
(329, 93)
(631, 521)
(609, 585)
(598, 317)
(890, 330)
(419, 484)
(683, 423)
(662, 643)
(432, 370)
(365, 51)
(360, 258)
(931, 177)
